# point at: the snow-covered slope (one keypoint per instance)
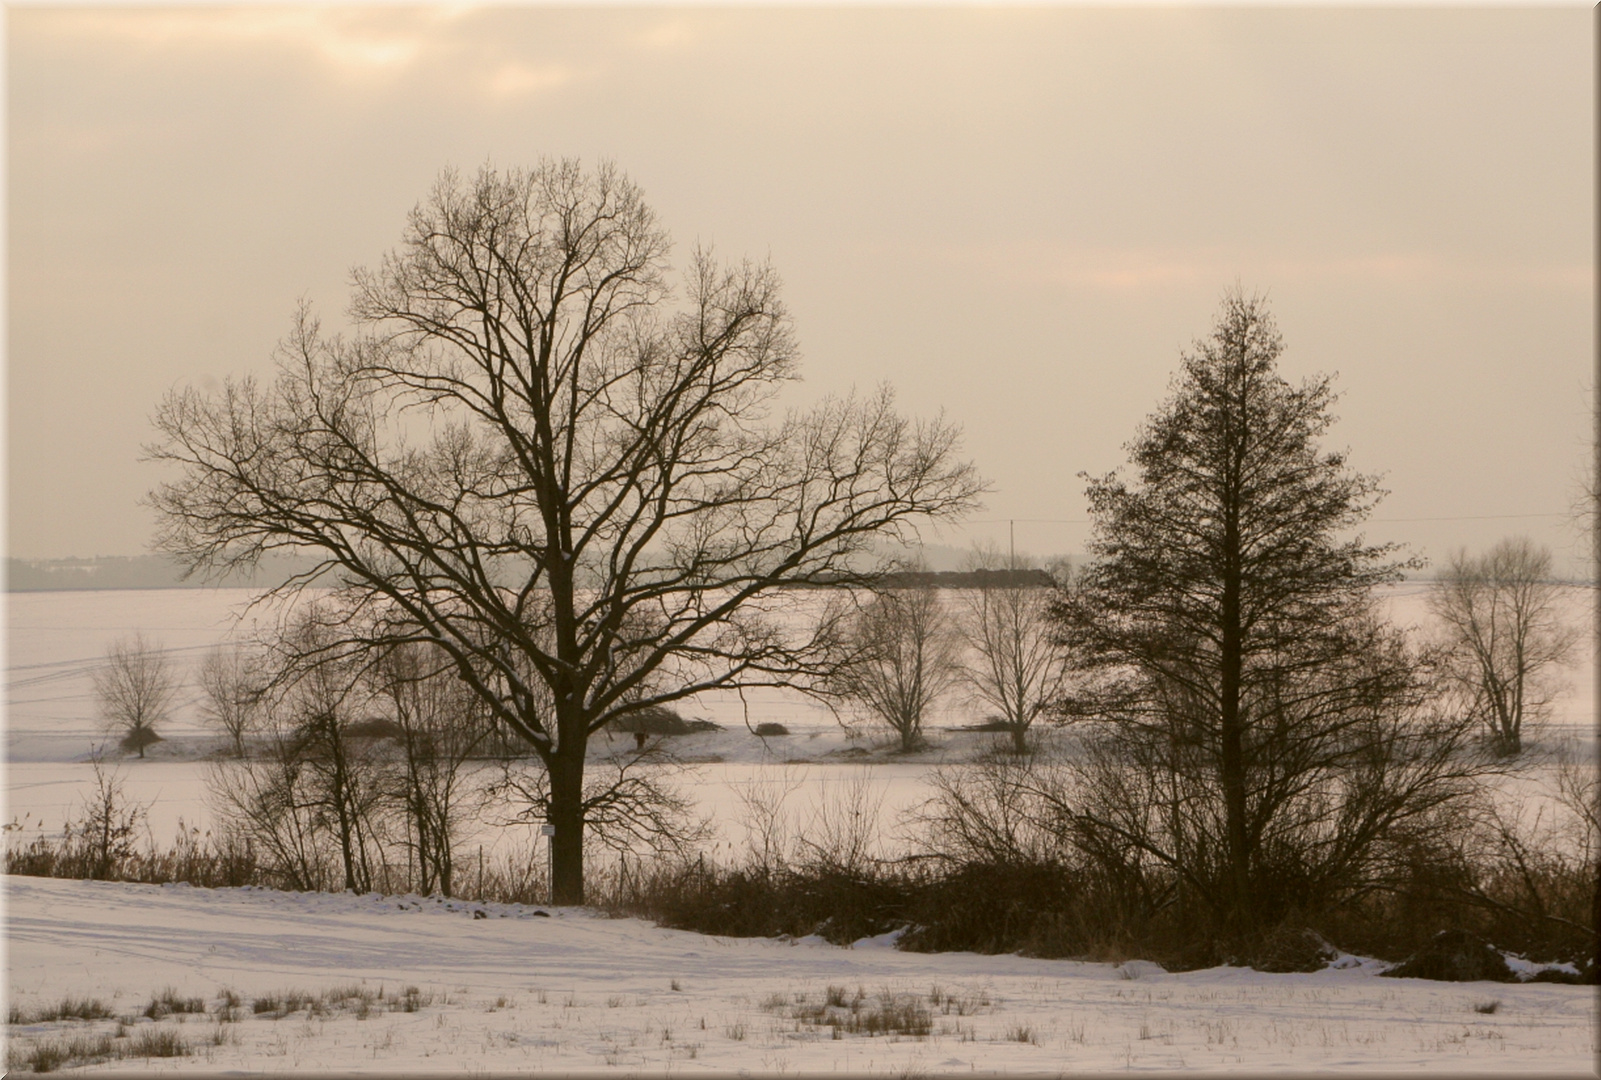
(575, 992)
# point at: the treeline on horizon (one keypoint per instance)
(162, 572)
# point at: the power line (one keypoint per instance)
(1087, 521)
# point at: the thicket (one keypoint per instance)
(998, 869)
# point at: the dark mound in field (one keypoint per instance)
(994, 723)
(1570, 978)
(660, 720)
(770, 728)
(376, 727)
(1286, 949)
(1455, 956)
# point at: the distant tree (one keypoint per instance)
(135, 688)
(1265, 741)
(231, 687)
(900, 657)
(1013, 665)
(530, 460)
(1506, 635)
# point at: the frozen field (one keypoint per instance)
(55, 640)
(576, 993)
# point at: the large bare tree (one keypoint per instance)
(1506, 634)
(528, 457)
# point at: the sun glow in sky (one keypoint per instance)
(1019, 216)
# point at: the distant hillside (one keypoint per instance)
(136, 572)
(161, 572)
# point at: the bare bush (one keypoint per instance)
(1534, 864)
(311, 801)
(440, 726)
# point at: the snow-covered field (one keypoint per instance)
(575, 992)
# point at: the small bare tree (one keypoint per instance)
(440, 727)
(312, 800)
(1505, 634)
(104, 834)
(901, 657)
(135, 688)
(1014, 666)
(231, 687)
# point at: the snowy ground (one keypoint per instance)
(575, 992)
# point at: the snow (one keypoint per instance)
(576, 992)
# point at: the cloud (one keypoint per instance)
(1135, 269)
(351, 41)
(517, 79)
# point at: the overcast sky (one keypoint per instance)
(1018, 216)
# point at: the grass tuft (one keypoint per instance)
(169, 1003)
(68, 1008)
(158, 1042)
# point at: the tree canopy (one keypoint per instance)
(1269, 728)
(534, 457)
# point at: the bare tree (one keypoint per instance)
(313, 801)
(108, 828)
(231, 686)
(441, 726)
(1014, 665)
(527, 459)
(1265, 735)
(1506, 635)
(269, 803)
(135, 688)
(900, 658)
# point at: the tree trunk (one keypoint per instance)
(1231, 661)
(567, 815)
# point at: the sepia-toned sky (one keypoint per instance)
(1019, 216)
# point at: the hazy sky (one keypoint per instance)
(1019, 216)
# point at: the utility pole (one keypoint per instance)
(1011, 533)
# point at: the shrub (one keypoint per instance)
(168, 1002)
(1455, 956)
